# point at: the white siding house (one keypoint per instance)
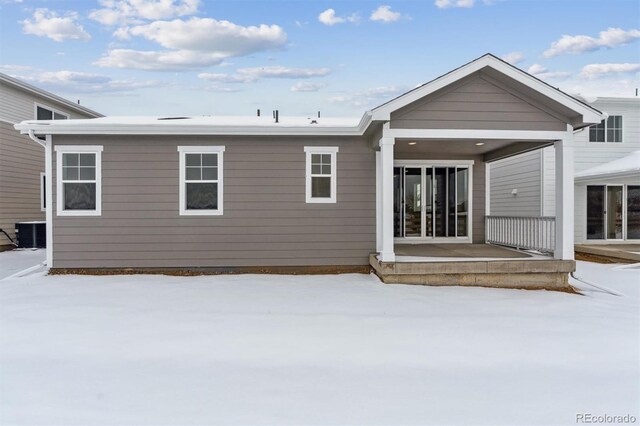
(614, 139)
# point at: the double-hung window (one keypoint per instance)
(609, 130)
(79, 180)
(321, 176)
(201, 180)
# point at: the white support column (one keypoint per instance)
(386, 252)
(48, 171)
(564, 197)
(378, 202)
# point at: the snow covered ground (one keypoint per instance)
(252, 349)
(15, 261)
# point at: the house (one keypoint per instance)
(607, 178)
(401, 189)
(22, 178)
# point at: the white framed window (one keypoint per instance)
(201, 180)
(79, 180)
(44, 112)
(321, 176)
(609, 130)
(43, 192)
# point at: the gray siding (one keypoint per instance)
(478, 188)
(266, 221)
(522, 172)
(474, 103)
(21, 161)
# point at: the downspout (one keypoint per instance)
(37, 140)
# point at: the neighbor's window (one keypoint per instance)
(46, 113)
(609, 130)
(79, 179)
(321, 174)
(201, 183)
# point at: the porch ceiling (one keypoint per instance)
(491, 150)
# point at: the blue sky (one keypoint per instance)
(148, 57)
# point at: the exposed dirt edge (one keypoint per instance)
(188, 272)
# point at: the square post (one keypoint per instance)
(386, 250)
(378, 202)
(564, 197)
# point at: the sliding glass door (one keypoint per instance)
(613, 212)
(431, 202)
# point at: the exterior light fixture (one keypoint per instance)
(479, 143)
(412, 143)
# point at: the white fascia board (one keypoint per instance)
(186, 130)
(589, 114)
(436, 134)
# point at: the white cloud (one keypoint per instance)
(513, 57)
(370, 97)
(601, 87)
(594, 71)
(250, 75)
(284, 72)
(445, 4)
(121, 12)
(211, 35)
(46, 23)
(385, 14)
(82, 82)
(544, 74)
(307, 86)
(581, 43)
(194, 43)
(329, 17)
(227, 78)
(173, 60)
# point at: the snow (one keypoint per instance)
(17, 260)
(345, 349)
(627, 164)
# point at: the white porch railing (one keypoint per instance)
(532, 233)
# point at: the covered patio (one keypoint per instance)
(433, 146)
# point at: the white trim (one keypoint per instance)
(43, 201)
(438, 134)
(564, 151)
(47, 107)
(590, 115)
(378, 202)
(326, 150)
(487, 190)
(387, 251)
(606, 128)
(48, 170)
(78, 149)
(182, 208)
(433, 163)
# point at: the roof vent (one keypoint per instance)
(314, 121)
(173, 118)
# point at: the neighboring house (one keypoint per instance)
(22, 179)
(607, 178)
(263, 193)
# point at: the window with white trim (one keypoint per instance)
(609, 130)
(46, 113)
(79, 180)
(201, 180)
(321, 179)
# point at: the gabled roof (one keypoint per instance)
(4, 78)
(622, 167)
(589, 115)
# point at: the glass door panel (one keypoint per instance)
(595, 212)
(413, 202)
(614, 212)
(428, 202)
(462, 205)
(398, 194)
(633, 212)
(451, 202)
(440, 201)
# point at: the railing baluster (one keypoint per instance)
(522, 232)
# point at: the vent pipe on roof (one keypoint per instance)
(276, 115)
(258, 113)
(318, 114)
(78, 101)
